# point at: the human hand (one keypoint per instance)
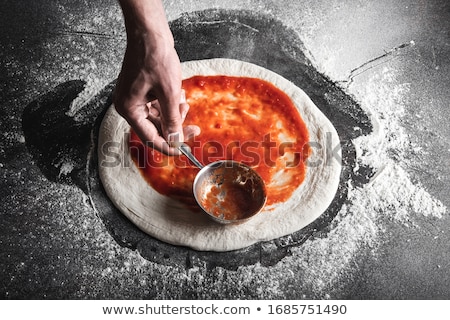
(148, 90)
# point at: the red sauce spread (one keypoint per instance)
(248, 120)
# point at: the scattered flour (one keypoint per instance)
(65, 168)
(390, 194)
(93, 87)
(318, 267)
(322, 263)
(13, 137)
(387, 149)
(323, 266)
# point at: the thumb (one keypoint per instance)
(174, 139)
(172, 124)
(172, 118)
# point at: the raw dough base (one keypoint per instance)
(169, 221)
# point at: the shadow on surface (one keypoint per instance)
(58, 141)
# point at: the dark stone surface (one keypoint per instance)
(197, 38)
(55, 245)
(52, 136)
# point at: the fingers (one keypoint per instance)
(184, 109)
(154, 109)
(174, 139)
(147, 123)
(152, 121)
(155, 116)
(171, 118)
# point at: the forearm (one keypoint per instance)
(146, 19)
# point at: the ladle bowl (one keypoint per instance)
(228, 191)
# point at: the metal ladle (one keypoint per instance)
(228, 191)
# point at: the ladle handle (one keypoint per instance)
(186, 150)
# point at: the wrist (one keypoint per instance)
(145, 21)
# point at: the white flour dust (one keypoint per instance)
(92, 87)
(65, 168)
(322, 263)
(391, 191)
(324, 266)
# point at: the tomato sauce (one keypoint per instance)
(244, 119)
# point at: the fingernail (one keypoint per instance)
(154, 112)
(174, 139)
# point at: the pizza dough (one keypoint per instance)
(170, 221)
